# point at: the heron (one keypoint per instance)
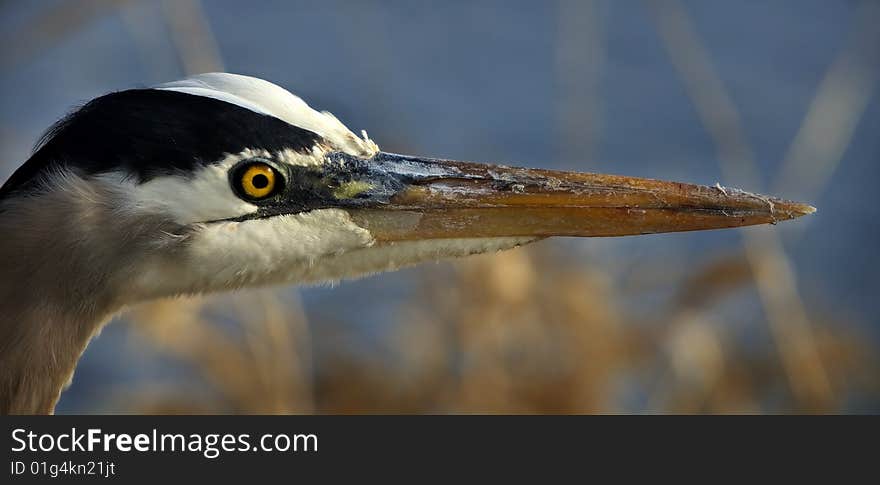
(221, 181)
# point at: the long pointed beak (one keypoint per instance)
(408, 198)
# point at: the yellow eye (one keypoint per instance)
(257, 180)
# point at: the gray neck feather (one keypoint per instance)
(67, 257)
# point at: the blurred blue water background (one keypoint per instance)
(571, 85)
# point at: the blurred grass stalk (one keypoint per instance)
(264, 367)
(502, 334)
(773, 271)
(517, 332)
(526, 331)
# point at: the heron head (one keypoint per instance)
(222, 181)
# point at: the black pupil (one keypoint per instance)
(260, 181)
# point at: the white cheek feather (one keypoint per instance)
(205, 195)
(270, 99)
(392, 256)
(229, 255)
(320, 246)
(313, 247)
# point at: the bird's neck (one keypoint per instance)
(38, 353)
(55, 293)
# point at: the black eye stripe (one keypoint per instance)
(146, 133)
